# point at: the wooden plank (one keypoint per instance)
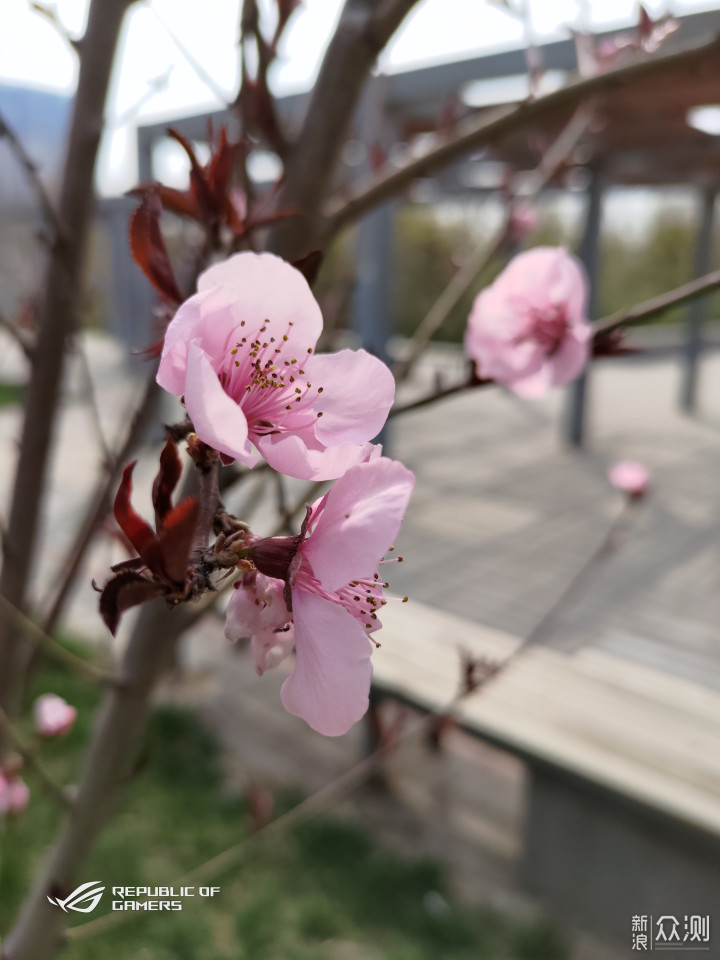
(631, 729)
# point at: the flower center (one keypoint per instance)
(548, 328)
(268, 382)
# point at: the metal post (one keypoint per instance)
(371, 298)
(589, 255)
(697, 310)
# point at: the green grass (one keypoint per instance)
(11, 393)
(318, 893)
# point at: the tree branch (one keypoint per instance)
(100, 503)
(476, 132)
(39, 638)
(643, 312)
(111, 762)
(58, 320)
(31, 171)
(364, 29)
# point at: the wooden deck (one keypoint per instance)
(623, 759)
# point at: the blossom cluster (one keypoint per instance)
(240, 354)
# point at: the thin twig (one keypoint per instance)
(25, 343)
(553, 158)
(99, 505)
(55, 789)
(643, 312)
(195, 64)
(46, 205)
(436, 395)
(92, 402)
(491, 126)
(55, 650)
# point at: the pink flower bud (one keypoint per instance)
(14, 795)
(53, 716)
(631, 477)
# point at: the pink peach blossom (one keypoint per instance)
(53, 716)
(631, 477)
(240, 353)
(329, 576)
(14, 794)
(528, 329)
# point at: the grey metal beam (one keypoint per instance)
(589, 255)
(697, 310)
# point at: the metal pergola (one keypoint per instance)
(640, 135)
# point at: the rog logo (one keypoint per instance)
(83, 899)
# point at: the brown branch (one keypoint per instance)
(364, 29)
(649, 309)
(100, 503)
(476, 132)
(111, 763)
(57, 321)
(42, 640)
(46, 205)
(26, 343)
(436, 395)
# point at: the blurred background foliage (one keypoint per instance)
(430, 244)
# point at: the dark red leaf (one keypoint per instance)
(176, 539)
(178, 202)
(221, 166)
(124, 591)
(134, 563)
(260, 110)
(199, 187)
(309, 265)
(645, 23)
(131, 523)
(251, 224)
(148, 247)
(165, 482)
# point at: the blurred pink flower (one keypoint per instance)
(329, 574)
(14, 794)
(53, 716)
(240, 352)
(523, 220)
(528, 329)
(631, 477)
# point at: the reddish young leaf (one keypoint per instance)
(199, 186)
(179, 202)
(175, 540)
(260, 107)
(148, 247)
(124, 591)
(165, 482)
(131, 523)
(220, 168)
